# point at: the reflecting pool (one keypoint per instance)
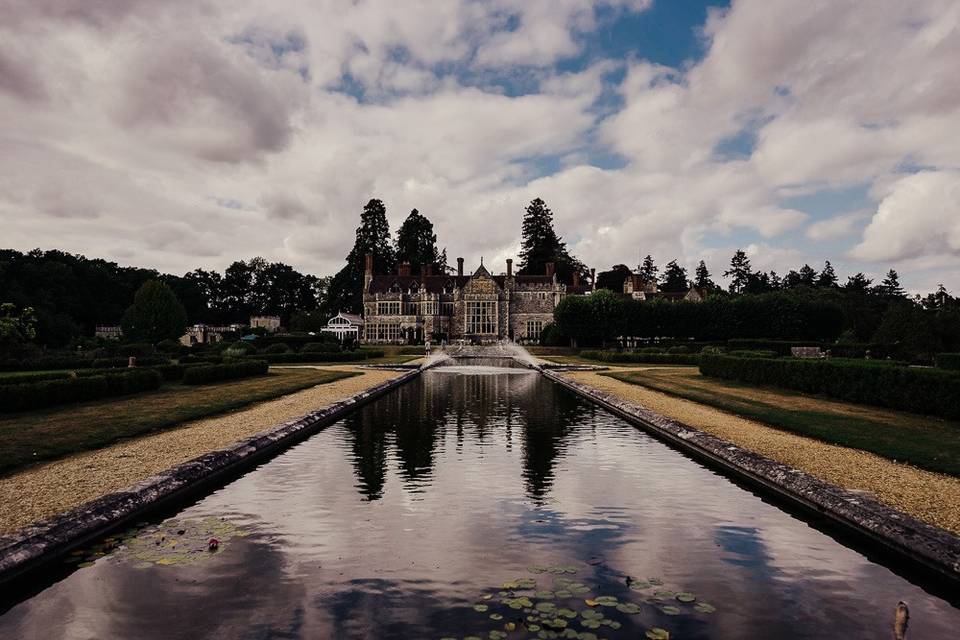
(476, 501)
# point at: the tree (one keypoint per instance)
(16, 329)
(890, 286)
(373, 237)
(739, 271)
(702, 278)
(540, 244)
(649, 271)
(858, 283)
(828, 277)
(614, 278)
(416, 242)
(758, 283)
(808, 276)
(675, 278)
(155, 314)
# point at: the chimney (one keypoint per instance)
(460, 266)
(593, 279)
(403, 269)
(367, 271)
(509, 267)
(551, 268)
(576, 278)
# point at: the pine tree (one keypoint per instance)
(416, 242)
(890, 285)
(858, 283)
(649, 271)
(702, 278)
(155, 314)
(540, 244)
(828, 277)
(675, 278)
(373, 236)
(739, 271)
(808, 276)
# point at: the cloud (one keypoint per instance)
(837, 227)
(919, 216)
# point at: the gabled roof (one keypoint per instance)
(430, 284)
(350, 317)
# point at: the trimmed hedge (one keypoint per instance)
(644, 357)
(34, 376)
(321, 347)
(37, 395)
(949, 361)
(207, 373)
(927, 391)
(118, 363)
(342, 356)
(199, 359)
(47, 363)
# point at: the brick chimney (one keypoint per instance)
(593, 279)
(551, 268)
(459, 266)
(403, 269)
(509, 267)
(576, 278)
(367, 271)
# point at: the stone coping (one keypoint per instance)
(50, 539)
(935, 550)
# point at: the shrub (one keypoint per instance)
(678, 349)
(173, 372)
(949, 361)
(928, 391)
(169, 346)
(137, 349)
(279, 347)
(343, 356)
(239, 348)
(207, 373)
(780, 347)
(320, 347)
(35, 395)
(117, 363)
(754, 354)
(647, 358)
(47, 363)
(201, 359)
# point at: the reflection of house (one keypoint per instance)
(639, 289)
(108, 332)
(270, 323)
(407, 308)
(206, 334)
(346, 326)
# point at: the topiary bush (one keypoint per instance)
(644, 357)
(279, 347)
(320, 347)
(207, 373)
(47, 393)
(921, 390)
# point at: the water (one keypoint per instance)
(394, 522)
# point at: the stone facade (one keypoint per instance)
(403, 308)
(637, 288)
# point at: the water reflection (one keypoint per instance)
(394, 522)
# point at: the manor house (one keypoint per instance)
(406, 308)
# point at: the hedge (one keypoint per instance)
(47, 363)
(928, 391)
(320, 347)
(648, 358)
(36, 395)
(120, 362)
(949, 361)
(33, 376)
(200, 359)
(207, 373)
(342, 356)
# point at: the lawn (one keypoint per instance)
(43, 435)
(924, 441)
(576, 359)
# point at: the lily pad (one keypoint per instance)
(658, 634)
(686, 596)
(591, 614)
(545, 607)
(496, 616)
(704, 607)
(480, 608)
(628, 607)
(606, 601)
(670, 610)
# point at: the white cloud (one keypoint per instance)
(919, 216)
(837, 227)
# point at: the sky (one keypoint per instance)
(191, 133)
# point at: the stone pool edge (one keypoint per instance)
(932, 548)
(38, 544)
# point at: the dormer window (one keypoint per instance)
(414, 288)
(448, 287)
(396, 288)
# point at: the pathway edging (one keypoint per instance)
(932, 548)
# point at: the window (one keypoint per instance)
(388, 308)
(381, 331)
(534, 329)
(481, 316)
(428, 308)
(446, 308)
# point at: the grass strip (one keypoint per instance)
(924, 441)
(35, 436)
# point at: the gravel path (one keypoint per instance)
(47, 489)
(928, 496)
